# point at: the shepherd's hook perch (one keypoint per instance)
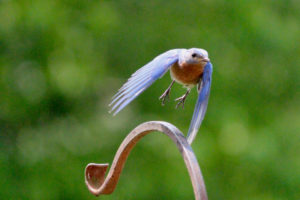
(95, 173)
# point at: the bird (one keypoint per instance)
(188, 67)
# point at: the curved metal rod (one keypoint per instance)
(95, 173)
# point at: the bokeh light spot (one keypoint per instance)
(233, 139)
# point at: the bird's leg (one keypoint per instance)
(182, 99)
(166, 94)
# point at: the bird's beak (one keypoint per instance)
(206, 59)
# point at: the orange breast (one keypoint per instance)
(187, 74)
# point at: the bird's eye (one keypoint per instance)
(194, 55)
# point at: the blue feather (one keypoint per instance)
(142, 79)
(202, 101)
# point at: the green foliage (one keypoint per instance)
(62, 61)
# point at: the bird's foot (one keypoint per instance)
(165, 96)
(181, 100)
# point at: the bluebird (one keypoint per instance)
(188, 67)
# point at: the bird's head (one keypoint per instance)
(194, 56)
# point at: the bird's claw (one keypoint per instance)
(165, 96)
(181, 101)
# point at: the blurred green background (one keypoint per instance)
(62, 61)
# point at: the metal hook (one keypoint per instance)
(95, 173)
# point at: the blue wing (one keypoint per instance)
(202, 101)
(142, 79)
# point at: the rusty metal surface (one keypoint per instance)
(98, 184)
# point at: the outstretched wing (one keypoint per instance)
(202, 101)
(142, 79)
